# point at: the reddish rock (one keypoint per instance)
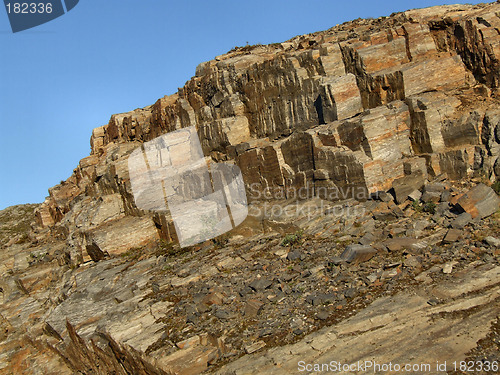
(481, 201)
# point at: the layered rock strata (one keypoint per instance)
(337, 114)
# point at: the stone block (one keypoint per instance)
(481, 201)
(358, 253)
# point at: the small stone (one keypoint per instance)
(252, 348)
(214, 298)
(389, 274)
(400, 243)
(415, 195)
(420, 225)
(372, 277)
(322, 315)
(431, 196)
(253, 308)
(492, 241)
(385, 216)
(294, 255)
(481, 201)
(336, 260)
(445, 196)
(453, 235)
(433, 301)
(448, 267)
(406, 185)
(358, 253)
(350, 293)
(367, 239)
(435, 187)
(412, 261)
(221, 314)
(188, 343)
(94, 252)
(461, 220)
(381, 196)
(260, 284)
(246, 290)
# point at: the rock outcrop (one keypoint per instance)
(339, 113)
(377, 142)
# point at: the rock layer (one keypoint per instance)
(347, 109)
(340, 110)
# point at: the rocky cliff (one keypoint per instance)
(350, 109)
(389, 127)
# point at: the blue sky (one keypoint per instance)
(63, 78)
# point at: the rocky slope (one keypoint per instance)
(391, 130)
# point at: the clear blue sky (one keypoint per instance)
(62, 79)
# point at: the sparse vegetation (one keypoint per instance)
(220, 241)
(417, 207)
(430, 207)
(133, 254)
(16, 221)
(34, 258)
(292, 239)
(166, 248)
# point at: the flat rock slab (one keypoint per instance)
(481, 201)
(453, 235)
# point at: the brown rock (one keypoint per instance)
(405, 186)
(252, 308)
(481, 201)
(453, 235)
(94, 252)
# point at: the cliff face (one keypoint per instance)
(350, 109)
(404, 106)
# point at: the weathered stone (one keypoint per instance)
(260, 284)
(95, 253)
(453, 235)
(358, 253)
(415, 195)
(461, 220)
(481, 201)
(252, 348)
(431, 196)
(405, 186)
(253, 307)
(492, 241)
(448, 267)
(382, 196)
(404, 243)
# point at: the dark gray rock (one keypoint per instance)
(381, 196)
(260, 284)
(431, 196)
(95, 253)
(294, 255)
(461, 220)
(367, 239)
